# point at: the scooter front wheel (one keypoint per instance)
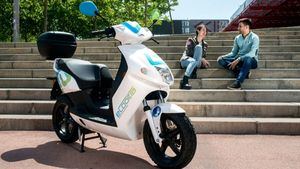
(64, 126)
(179, 142)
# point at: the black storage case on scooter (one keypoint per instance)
(54, 44)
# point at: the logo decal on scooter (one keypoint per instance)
(65, 78)
(156, 111)
(154, 59)
(124, 104)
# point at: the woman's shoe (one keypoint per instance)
(184, 83)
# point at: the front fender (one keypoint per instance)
(170, 108)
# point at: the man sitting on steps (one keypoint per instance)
(244, 54)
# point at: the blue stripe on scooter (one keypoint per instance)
(135, 29)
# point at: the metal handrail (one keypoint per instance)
(241, 9)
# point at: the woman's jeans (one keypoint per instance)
(192, 62)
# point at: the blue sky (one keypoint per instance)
(205, 9)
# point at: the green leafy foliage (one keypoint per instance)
(64, 15)
(6, 19)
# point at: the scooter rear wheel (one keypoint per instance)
(179, 142)
(64, 126)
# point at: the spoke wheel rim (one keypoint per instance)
(171, 146)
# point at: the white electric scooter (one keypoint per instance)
(131, 107)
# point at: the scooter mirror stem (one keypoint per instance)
(153, 23)
(97, 14)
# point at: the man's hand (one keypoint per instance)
(205, 63)
(233, 64)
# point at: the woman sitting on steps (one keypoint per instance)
(194, 56)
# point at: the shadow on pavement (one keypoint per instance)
(58, 154)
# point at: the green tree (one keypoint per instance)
(31, 19)
(6, 20)
(63, 15)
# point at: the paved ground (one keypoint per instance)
(35, 149)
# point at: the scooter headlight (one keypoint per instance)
(165, 74)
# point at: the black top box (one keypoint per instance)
(54, 44)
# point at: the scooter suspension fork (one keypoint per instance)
(154, 123)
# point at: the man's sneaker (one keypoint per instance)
(248, 75)
(235, 86)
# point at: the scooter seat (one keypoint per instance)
(86, 74)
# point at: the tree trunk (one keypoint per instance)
(16, 21)
(45, 15)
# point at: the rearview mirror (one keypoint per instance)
(88, 8)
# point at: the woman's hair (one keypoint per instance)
(199, 28)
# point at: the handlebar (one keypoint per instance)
(98, 32)
(108, 32)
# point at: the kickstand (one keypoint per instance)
(82, 132)
(102, 139)
(82, 143)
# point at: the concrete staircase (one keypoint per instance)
(268, 104)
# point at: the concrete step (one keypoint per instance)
(170, 49)
(205, 83)
(221, 95)
(222, 83)
(177, 95)
(241, 109)
(173, 64)
(25, 94)
(25, 83)
(25, 122)
(26, 107)
(29, 64)
(259, 32)
(279, 126)
(263, 37)
(210, 56)
(193, 109)
(178, 73)
(158, 49)
(210, 37)
(165, 56)
(211, 43)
